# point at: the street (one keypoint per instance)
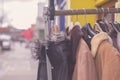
(17, 64)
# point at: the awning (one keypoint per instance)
(100, 2)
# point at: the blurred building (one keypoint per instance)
(13, 32)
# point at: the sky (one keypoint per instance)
(22, 14)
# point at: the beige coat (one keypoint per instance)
(84, 67)
(114, 36)
(107, 58)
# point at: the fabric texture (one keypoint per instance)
(75, 36)
(98, 39)
(58, 52)
(112, 35)
(107, 58)
(42, 66)
(84, 67)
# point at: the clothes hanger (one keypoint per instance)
(96, 26)
(114, 26)
(88, 32)
(118, 27)
(88, 27)
(77, 21)
(102, 24)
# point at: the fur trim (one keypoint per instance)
(97, 28)
(96, 41)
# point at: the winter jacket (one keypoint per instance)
(58, 52)
(107, 58)
(112, 34)
(84, 68)
(42, 66)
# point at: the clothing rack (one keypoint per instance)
(86, 11)
(50, 13)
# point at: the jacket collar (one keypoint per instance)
(97, 28)
(97, 40)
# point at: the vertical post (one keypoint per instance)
(51, 9)
(46, 20)
(62, 5)
(47, 23)
(52, 14)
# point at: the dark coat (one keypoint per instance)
(42, 66)
(58, 52)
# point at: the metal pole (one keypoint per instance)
(47, 34)
(86, 11)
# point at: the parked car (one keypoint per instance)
(6, 41)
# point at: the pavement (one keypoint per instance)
(18, 64)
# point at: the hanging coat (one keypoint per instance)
(58, 52)
(112, 34)
(84, 64)
(84, 67)
(107, 57)
(76, 35)
(42, 66)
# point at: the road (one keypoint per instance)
(17, 64)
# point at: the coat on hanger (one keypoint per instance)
(107, 58)
(42, 66)
(112, 33)
(84, 63)
(58, 53)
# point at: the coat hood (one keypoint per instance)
(97, 40)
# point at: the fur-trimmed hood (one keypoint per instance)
(96, 41)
